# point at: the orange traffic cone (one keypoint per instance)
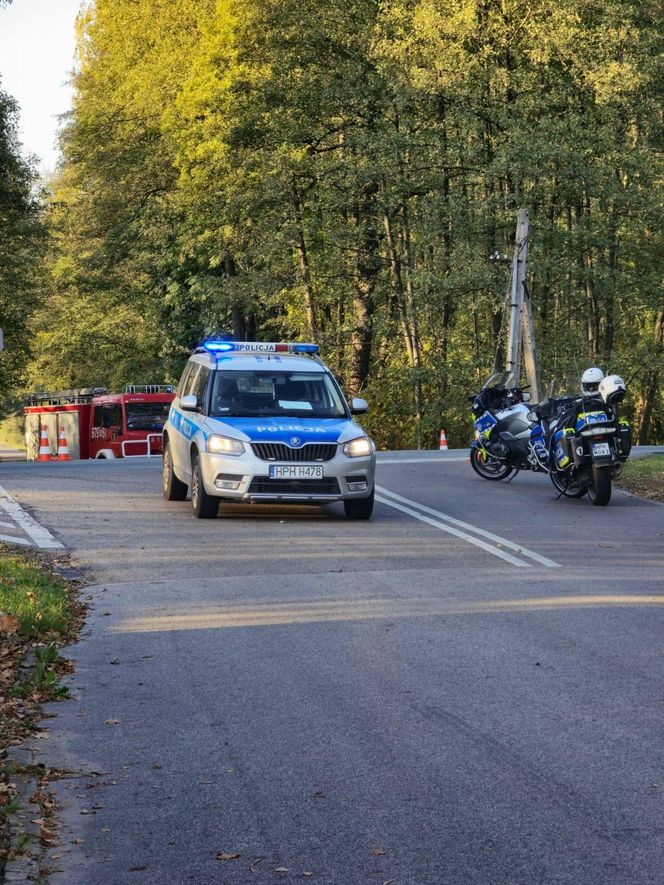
(443, 441)
(44, 446)
(63, 451)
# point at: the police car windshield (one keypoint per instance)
(249, 394)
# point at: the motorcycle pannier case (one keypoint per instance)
(563, 447)
(623, 441)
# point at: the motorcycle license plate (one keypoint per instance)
(299, 471)
(600, 449)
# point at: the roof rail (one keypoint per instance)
(149, 388)
(65, 397)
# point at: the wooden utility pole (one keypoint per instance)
(529, 349)
(521, 341)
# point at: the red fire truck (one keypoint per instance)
(97, 424)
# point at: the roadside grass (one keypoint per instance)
(644, 477)
(39, 612)
(33, 602)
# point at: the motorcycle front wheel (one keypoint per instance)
(487, 466)
(570, 489)
(599, 490)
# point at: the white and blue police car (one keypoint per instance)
(265, 422)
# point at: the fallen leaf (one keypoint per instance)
(281, 870)
(8, 624)
(112, 721)
(307, 874)
(377, 852)
(225, 855)
(255, 863)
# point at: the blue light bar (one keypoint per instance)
(215, 345)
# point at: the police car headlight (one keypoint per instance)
(359, 447)
(224, 445)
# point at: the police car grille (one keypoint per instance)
(281, 452)
(262, 485)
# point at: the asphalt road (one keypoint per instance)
(467, 689)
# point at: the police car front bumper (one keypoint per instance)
(247, 478)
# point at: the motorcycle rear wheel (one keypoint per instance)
(599, 490)
(489, 467)
(568, 489)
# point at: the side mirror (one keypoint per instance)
(526, 397)
(189, 403)
(358, 406)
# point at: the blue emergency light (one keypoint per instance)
(218, 346)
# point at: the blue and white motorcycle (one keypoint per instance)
(580, 442)
(588, 441)
(508, 437)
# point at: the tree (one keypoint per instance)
(21, 245)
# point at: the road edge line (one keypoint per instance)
(517, 548)
(501, 554)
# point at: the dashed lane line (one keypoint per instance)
(448, 523)
(40, 536)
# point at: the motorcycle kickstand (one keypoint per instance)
(560, 494)
(514, 475)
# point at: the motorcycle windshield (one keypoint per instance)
(496, 380)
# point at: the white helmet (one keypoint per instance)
(590, 380)
(612, 389)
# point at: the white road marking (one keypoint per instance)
(502, 542)
(432, 460)
(7, 525)
(41, 536)
(452, 531)
(12, 540)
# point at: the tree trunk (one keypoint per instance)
(367, 268)
(651, 382)
(305, 270)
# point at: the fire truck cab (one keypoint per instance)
(98, 424)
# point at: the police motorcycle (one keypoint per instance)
(580, 442)
(587, 441)
(508, 437)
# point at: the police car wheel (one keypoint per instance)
(172, 487)
(360, 508)
(203, 506)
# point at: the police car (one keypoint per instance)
(265, 422)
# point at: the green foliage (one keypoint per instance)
(21, 245)
(280, 168)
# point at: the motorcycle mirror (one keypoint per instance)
(525, 397)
